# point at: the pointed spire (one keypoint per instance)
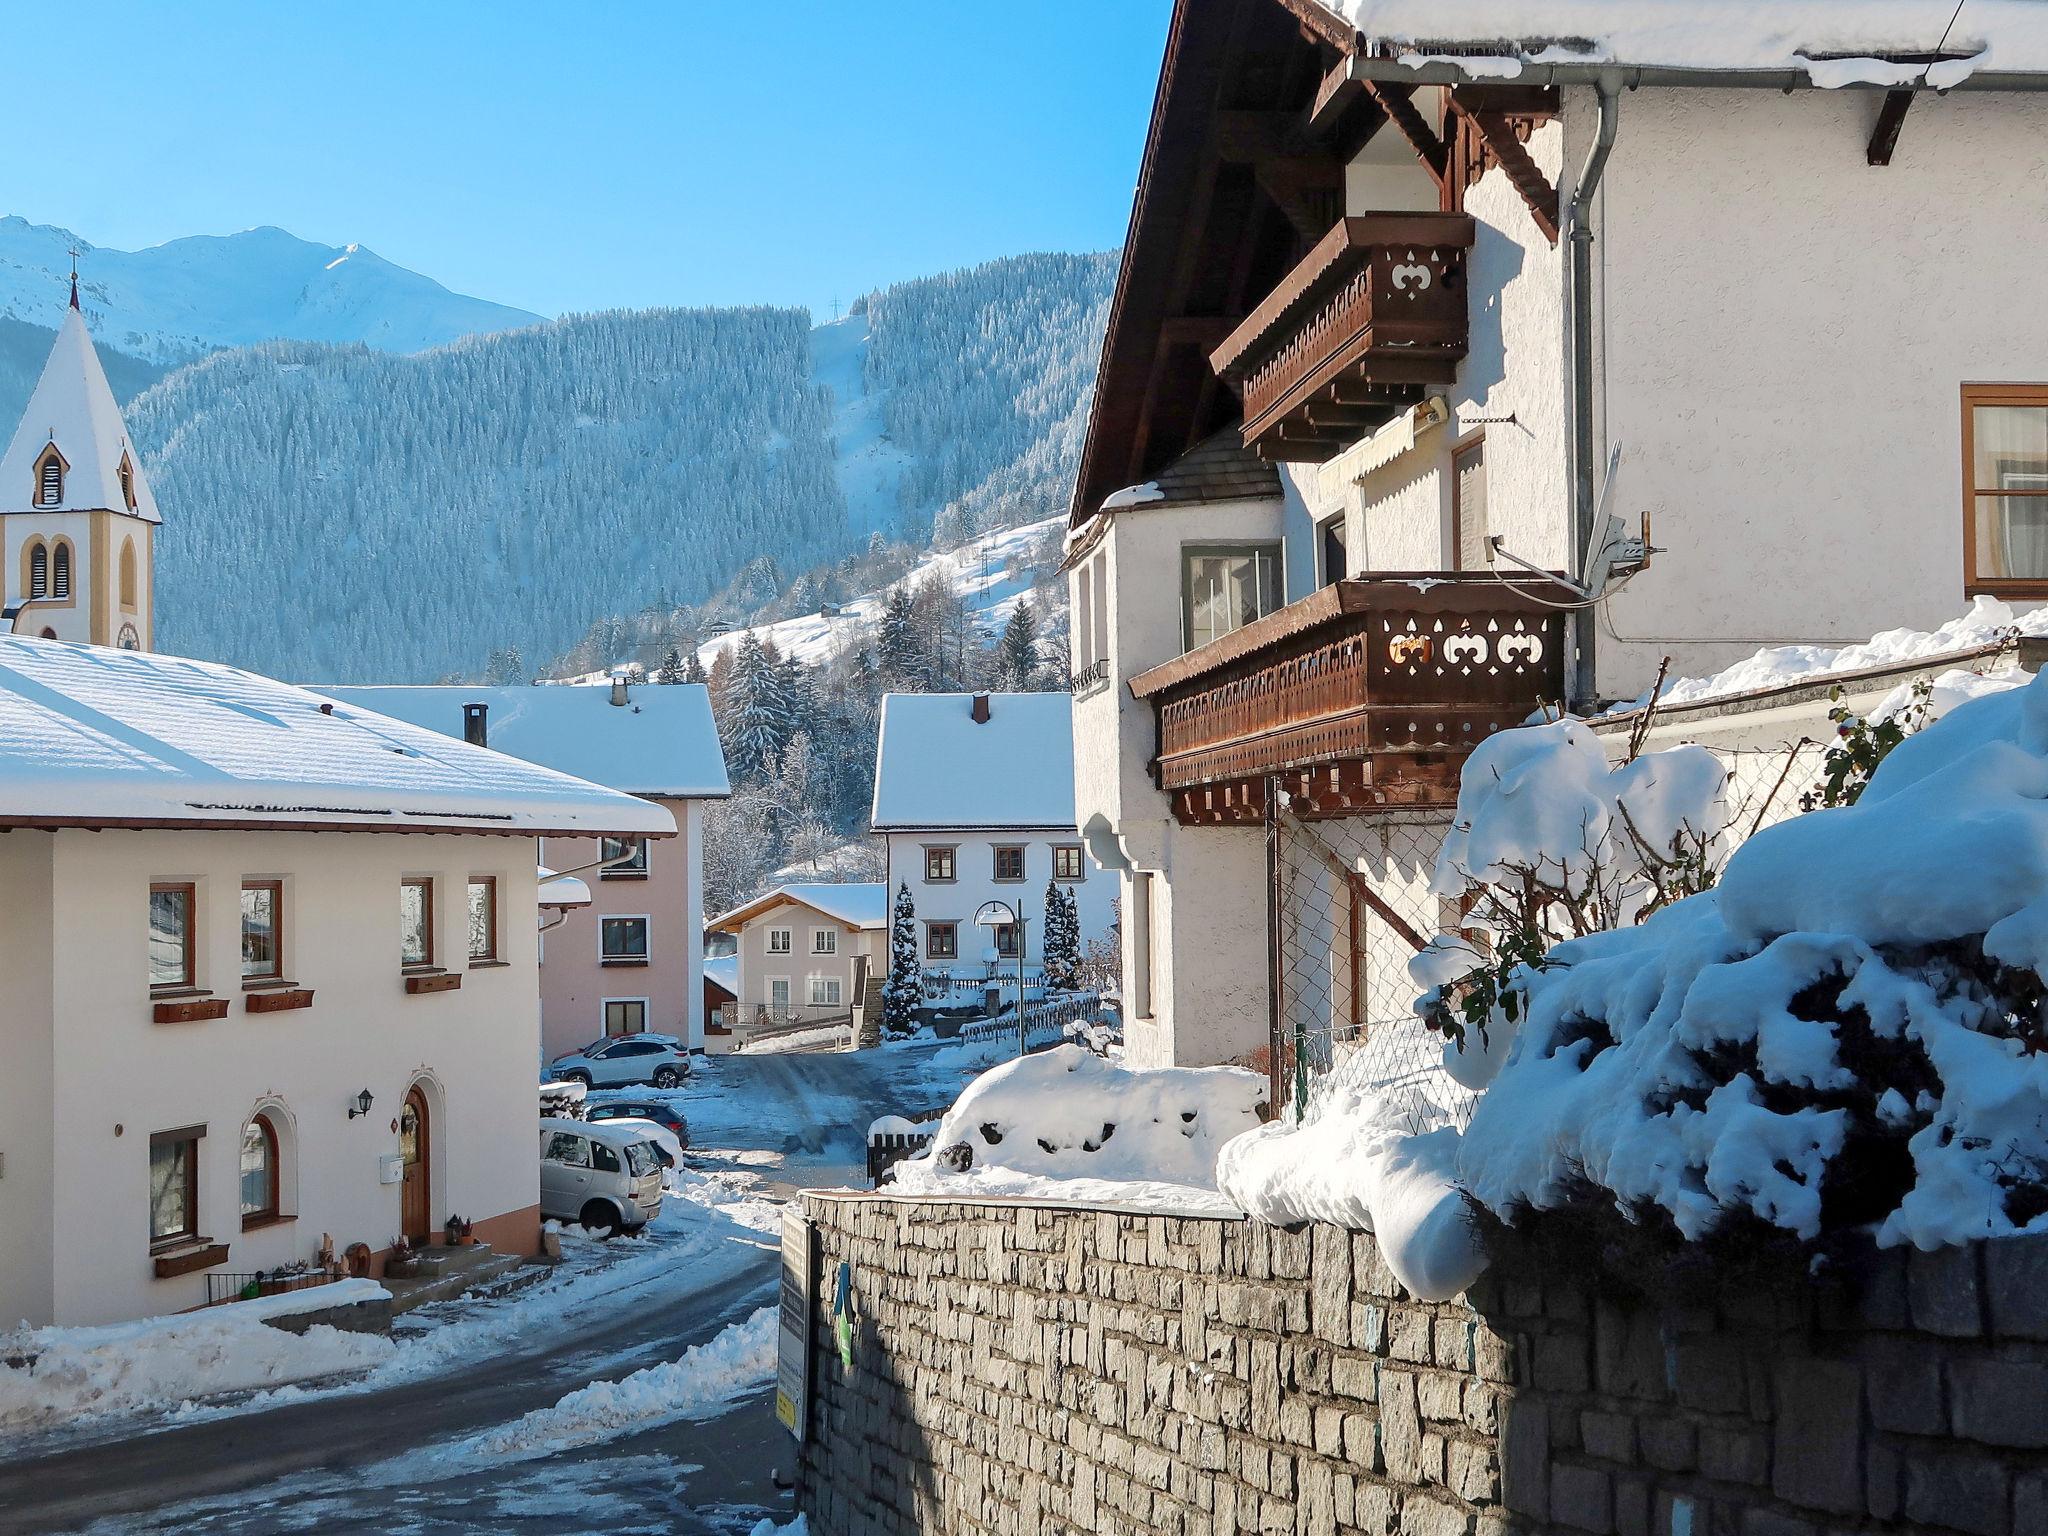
(74, 277)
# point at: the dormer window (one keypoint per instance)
(50, 478)
(127, 482)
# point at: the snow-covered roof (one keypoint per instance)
(97, 737)
(73, 408)
(937, 768)
(661, 741)
(560, 892)
(858, 904)
(1827, 42)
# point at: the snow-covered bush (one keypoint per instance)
(1847, 1032)
(1549, 843)
(1067, 1114)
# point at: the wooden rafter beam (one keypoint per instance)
(1339, 90)
(1884, 136)
(1522, 170)
(1398, 102)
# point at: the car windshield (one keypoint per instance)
(586, 1050)
(640, 1157)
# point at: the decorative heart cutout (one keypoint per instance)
(1465, 650)
(1410, 273)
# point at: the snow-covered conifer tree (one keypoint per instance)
(904, 989)
(1017, 652)
(1062, 939)
(671, 668)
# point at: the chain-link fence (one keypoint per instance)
(1351, 905)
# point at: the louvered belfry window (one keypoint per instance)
(50, 485)
(38, 571)
(60, 571)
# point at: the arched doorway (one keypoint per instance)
(416, 1148)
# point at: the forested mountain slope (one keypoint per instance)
(338, 514)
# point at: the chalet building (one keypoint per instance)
(1422, 335)
(974, 797)
(631, 957)
(805, 955)
(270, 963)
(77, 518)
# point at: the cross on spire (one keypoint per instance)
(74, 277)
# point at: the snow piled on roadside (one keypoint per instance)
(706, 1380)
(76, 1373)
(1067, 1125)
(1987, 622)
(1613, 1076)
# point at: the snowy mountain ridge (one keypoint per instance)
(173, 302)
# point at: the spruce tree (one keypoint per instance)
(904, 989)
(1062, 939)
(899, 648)
(671, 668)
(1017, 650)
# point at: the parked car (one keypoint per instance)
(643, 1058)
(654, 1110)
(659, 1137)
(603, 1176)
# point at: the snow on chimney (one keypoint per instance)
(476, 728)
(619, 689)
(980, 711)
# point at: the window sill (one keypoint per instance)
(187, 1008)
(622, 874)
(258, 1223)
(490, 965)
(419, 983)
(625, 962)
(278, 999)
(1008, 879)
(188, 1256)
(2006, 586)
(266, 984)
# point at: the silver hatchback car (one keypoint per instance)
(600, 1175)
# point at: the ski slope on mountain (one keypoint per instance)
(992, 574)
(868, 465)
(170, 303)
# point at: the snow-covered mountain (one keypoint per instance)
(173, 302)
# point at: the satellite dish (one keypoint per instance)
(993, 914)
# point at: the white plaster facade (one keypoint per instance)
(974, 882)
(800, 961)
(90, 1077)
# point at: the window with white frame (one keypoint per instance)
(824, 941)
(625, 1015)
(1226, 588)
(622, 940)
(825, 992)
(779, 940)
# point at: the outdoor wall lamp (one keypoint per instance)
(361, 1106)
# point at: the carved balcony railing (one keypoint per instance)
(1368, 319)
(1091, 679)
(1367, 694)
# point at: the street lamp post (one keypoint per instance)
(998, 914)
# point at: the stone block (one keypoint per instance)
(1905, 1390)
(1818, 1461)
(1668, 1444)
(1959, 1492)
(1710, 1374)
(1400, 1427)
(2030, 1502)
(1424, 1516)
(1440, 1398)
(1628, 1354)
(1609, 1436)
(1472, 1472)
(1631, 1507)
(1583, 1499)
(2016, 1286)
(1943, 1292)
(1561, 1363)
(1883, 1493)
(1769, 1522)
(2000, 1402)
(1732, 1455)
(1525, 1458)
(1408, 1335)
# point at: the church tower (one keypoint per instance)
(77, 520)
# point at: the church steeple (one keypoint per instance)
(77, 516)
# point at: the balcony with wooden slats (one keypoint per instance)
(1367, 695)
(1362, 326)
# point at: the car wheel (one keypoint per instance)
(599, 1217)
(667, 1077)
(577, 1077)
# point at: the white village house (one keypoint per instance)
(805, 954)
(631, 958)
(1429, 321)
(271, 973)
(974, 794)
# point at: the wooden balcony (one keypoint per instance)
(1367, 320)
(1366, 695)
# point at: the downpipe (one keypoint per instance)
(1579, 309)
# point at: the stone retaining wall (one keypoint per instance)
(1024, 1370)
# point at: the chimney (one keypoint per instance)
(980, 710)
(476, 728)
(619, 689)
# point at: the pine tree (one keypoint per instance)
(693, 667)
(671, 668)
(900, 654)
(1062, 939)
(756, 723)
(1017, 652)
(904, 989)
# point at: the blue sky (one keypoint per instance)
(584, 156)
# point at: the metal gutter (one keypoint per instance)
(1578, 300)
(1446, 71)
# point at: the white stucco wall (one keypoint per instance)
(1784, 330)
(974, 860)
(27, 1046)
(758, 967)
(117, 1076)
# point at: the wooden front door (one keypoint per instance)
(415, 1145)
